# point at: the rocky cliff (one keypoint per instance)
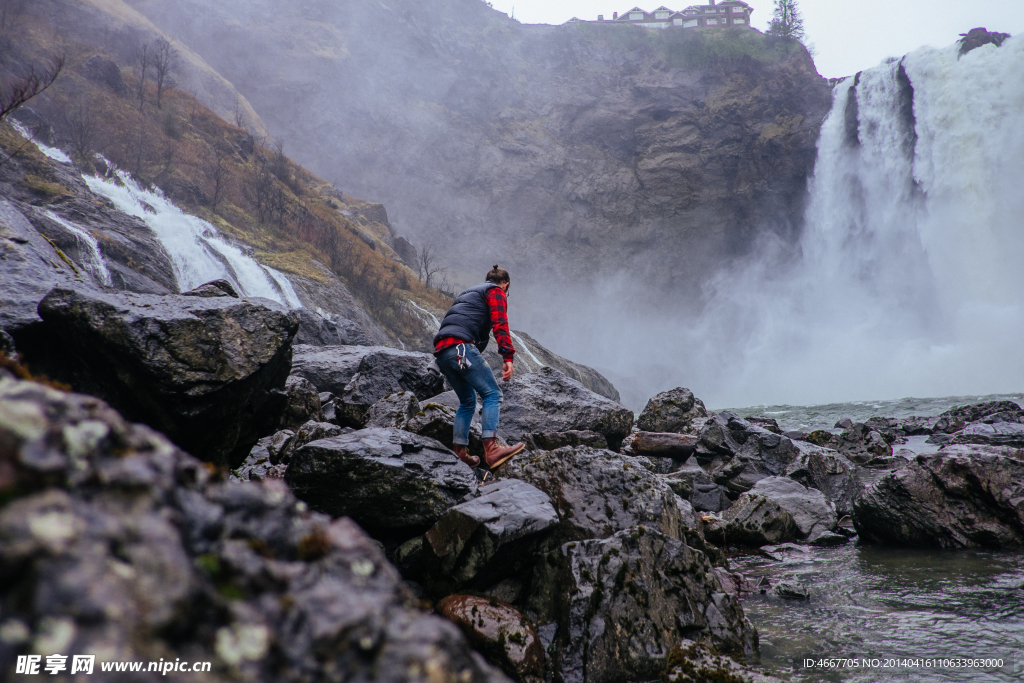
(574, 152)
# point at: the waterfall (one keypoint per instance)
(88, 248)
(198, 252)
(909, 279)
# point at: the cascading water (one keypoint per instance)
(910, 279)
(88, 247)
(198, 253)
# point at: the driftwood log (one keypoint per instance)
(665, 444)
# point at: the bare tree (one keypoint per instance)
(144, 59)
(165, 63)
(787, 21)
(239, 114)
(81, 128)
(217, 172)
(21, 90)
(427, 265)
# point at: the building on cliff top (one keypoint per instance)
(725, 13)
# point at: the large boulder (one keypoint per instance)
(547, 400)
(671, 411)
(390, 481)
(753, 520)
(500, 632)
(960, 497)
(489, 537)
(597, 492)
(631, 598)
(208, 372)
(807, 506)
(115, 542)
(955, 419)
(991, 434)
(857, 442)
(737, 453)
(828, 471)
(329, 368)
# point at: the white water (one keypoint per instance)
(52, 152)
(911, 279)
(88, 248)
(198, 252)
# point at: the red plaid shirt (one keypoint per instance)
(498, 305)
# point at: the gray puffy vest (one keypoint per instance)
(469, 318)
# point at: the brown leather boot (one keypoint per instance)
(464, 456)
(495, 455)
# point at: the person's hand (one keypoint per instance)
(506, 371)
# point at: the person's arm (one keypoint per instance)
(498, 305)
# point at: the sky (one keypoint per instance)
(846, 36)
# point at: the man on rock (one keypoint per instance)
(458, 346)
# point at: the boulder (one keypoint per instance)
(106, 72)
(955, 419)
(693, 484)
(390, 481)
(629, 600)
(394, 410)
(385, 371)
(302, 404)
(808, 507)
(282, 446)
(329, 368)
(550, 441)
(500, 632)
(965, 497)
(671, 411)
(112, 540)
(664, 444)
(547, 400)
(212, 289)
(753, 520)
(208, 372)
(991, 434)
(745, 452)
(436, 421)
(489, 537)
(917, 426)
(858, 442)
(597, 492)
(828, 471)
(977, 37)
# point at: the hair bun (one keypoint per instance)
(496, 266)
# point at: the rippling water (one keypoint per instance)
(825, 416)
(879, 603)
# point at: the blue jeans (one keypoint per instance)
(477, 378)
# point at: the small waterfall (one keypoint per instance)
(52, 152)
(88, 247)
(526, 348)
(198, 252)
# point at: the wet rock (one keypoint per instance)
(697, 662)
(389, 481)
(828, 471)
(962, 498)
(597, 492)
(858, 442)
(888, 427)
(302, 405)
(384, 371)
(808, 507)
(791, 590)
(500, 632)
(829, 539)
(7, 347)
(917, 426)
(753, 520)
(769, 423)
(258, 467)
(955, 419)
(216, 288)
(394, 410)
(550, 441)
(488, 538)
(664, 444)
(977, 37)
(282, 447)
(436, 421)
(547, 400)
(114, 540)
(671, 411)
(631, 598)
(991, 434)
(749, 453)
(785, 552)
(709, 498)
(329, 368)
(208, 372)
(683, 480)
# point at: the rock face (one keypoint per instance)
(547, 400)
(488, 538)
(671, 411)
(630, 600)
(113, 541)
(205, 371)
(965, 498)
(390, 481)
(977, 37)
(500, 632)
(598, 493)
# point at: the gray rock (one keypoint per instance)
(597, 492)
(488, 538)
(329, 368)
(101, 70)
(917, 426)
(753, 520)
(436, 421)
(683, 480)
(389, 481)
(208, 372)
(701, 662)
(548, 400)
(385, 371)
(709, 498)
(747, 452)
(671, 411)
(785, 552)
(631, 598)
(962, 498)
(550, 441)
(808, 507)
(213, 289)
(394, 410)
(302, 405)
(991, 434)
(955, 419)
(282, 446)
(791, 590)
(828, 471)
(120, 538)
(769, 423)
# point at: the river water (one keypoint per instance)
(884, 606)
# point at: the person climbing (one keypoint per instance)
(458, 345)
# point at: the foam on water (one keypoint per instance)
(88, 248)
(198, 252)
(52, 152)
